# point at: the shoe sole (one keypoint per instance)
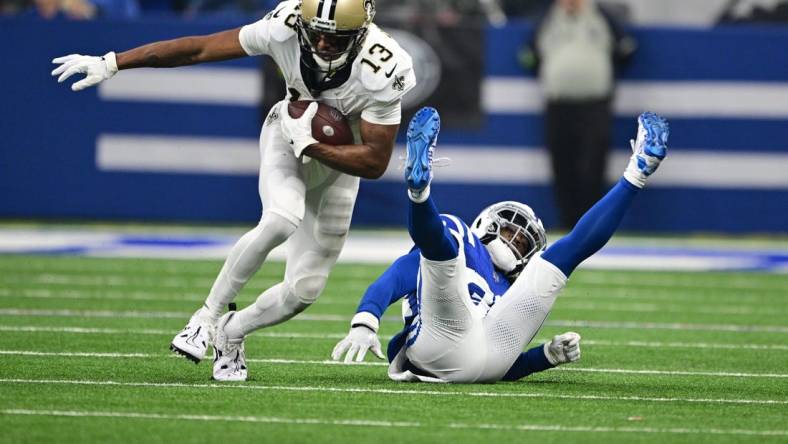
(422, 132)
(228, 380)
(657, 131)
(185, 354)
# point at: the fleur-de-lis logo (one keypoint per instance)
(399, 83)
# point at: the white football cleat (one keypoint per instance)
(193, 341)
(648, 149)
(229, 360)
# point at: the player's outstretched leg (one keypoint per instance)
(424, 223)
(421, 139)
(229, 360)
(598, 224)
(245, 258)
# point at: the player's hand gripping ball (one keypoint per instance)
(329, 126)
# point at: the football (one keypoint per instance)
(329, 125)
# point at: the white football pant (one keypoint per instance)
(311, 204)
(458, 341)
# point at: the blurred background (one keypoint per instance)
(539, 100)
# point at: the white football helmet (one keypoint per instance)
(512, 234)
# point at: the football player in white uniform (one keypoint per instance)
(476, 296)
(328, 51)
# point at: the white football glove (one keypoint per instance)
(96, 69)
(362, 337)
(298, 132)
(563, 348)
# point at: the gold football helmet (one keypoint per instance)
(331, 32)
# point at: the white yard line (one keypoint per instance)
(658, 280)
(651, 295)
(406, 392)
(115, 295)
(700, 345)
(674, 372)
(570, 304)
(285, 335)
(608, 280)
(668, 326)
(148, 331)
(383, 364)
(357, 422)
(116, 280)
(693, 308)
(94, 313)
(118, 295)
(340, 318)
(261, 419)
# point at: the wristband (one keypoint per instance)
(111, 61)
(365, 319)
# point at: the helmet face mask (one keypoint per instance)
(331, 32)
(512, 234)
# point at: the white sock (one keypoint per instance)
(245, 258)
(419, 196)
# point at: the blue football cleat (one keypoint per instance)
(422, 136)
(648, 149)
(652, 140)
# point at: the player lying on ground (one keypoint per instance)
(475, 297)
(327, 50)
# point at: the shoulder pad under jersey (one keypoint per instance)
(283, 20)
(386, 70)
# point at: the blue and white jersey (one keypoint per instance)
(400, 280)
(485, 284)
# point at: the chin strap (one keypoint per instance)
(324, 65)
(502, 256)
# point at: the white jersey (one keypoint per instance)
(381, 73)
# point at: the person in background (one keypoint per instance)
(754, 11)
(576, 48)
(79, 9)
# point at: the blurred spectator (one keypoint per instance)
(229, 7)
(71, 9)
(575, 49)
(12, 7)
(54, 9)
(525, 9)
(117, 9)
(750, 11)
(443, 12)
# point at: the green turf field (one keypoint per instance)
(667, 357)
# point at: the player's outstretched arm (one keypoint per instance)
(183, 51)
(398, 280)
